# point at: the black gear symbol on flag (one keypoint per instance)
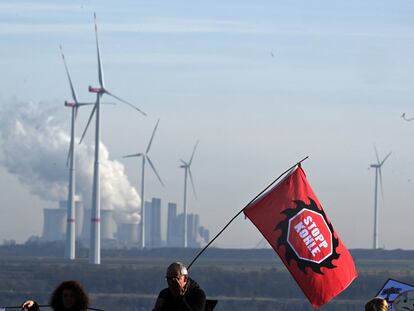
(290, 253)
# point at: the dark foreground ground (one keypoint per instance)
(239, 279)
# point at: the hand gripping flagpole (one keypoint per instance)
(241, 211)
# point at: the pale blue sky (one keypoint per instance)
(340, 77)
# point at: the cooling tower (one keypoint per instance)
(85, 235)
(63, 204)
(79, 218)
(107, 224)
(127, 233)
(54, 224)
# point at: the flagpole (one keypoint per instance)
(45, 306)
(241, 211)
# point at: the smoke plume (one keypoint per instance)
(34, 147)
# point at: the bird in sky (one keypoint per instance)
(405, 118)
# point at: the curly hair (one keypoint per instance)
(82, 299)
(376, 304)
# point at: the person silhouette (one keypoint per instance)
(68, 296)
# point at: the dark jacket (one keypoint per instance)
(193, 300)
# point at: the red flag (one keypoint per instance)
(292, 220)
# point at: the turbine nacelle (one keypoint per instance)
(97, 90)
(70, 104)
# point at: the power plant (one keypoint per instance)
(114, 234)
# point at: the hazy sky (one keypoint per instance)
(261, 84)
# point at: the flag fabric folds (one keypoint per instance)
(292, 220)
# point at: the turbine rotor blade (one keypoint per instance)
(133, 155)
(192, 182)
(376, 154)
(85, 104)
(260, 242)
(125, 102)
(385, 159)
(89, 121)
(152, 136)
(192, 155)
(155, 171)
(100, 71)
(72, 89)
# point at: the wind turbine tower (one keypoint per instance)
(187, 172)
(378, 175)
(71, 216)
(145, 158)
(95, 246)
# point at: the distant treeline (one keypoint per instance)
(56, 249)
(240, 279)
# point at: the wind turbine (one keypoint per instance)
(145, 157)
(71, 213)
(187, 172)
(405, 118)
(95, 246)
(378, 173)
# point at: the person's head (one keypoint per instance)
(69, 295)
(376, 304)
(176, 276)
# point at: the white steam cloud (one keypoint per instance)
(34, 147)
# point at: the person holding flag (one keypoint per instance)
(182, 294)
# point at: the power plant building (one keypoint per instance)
(54, 224)
(55, 221)
(173, 227)
(108, 225)
(127, 234)
(63, 204)
(153, 223)
(156, 223)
